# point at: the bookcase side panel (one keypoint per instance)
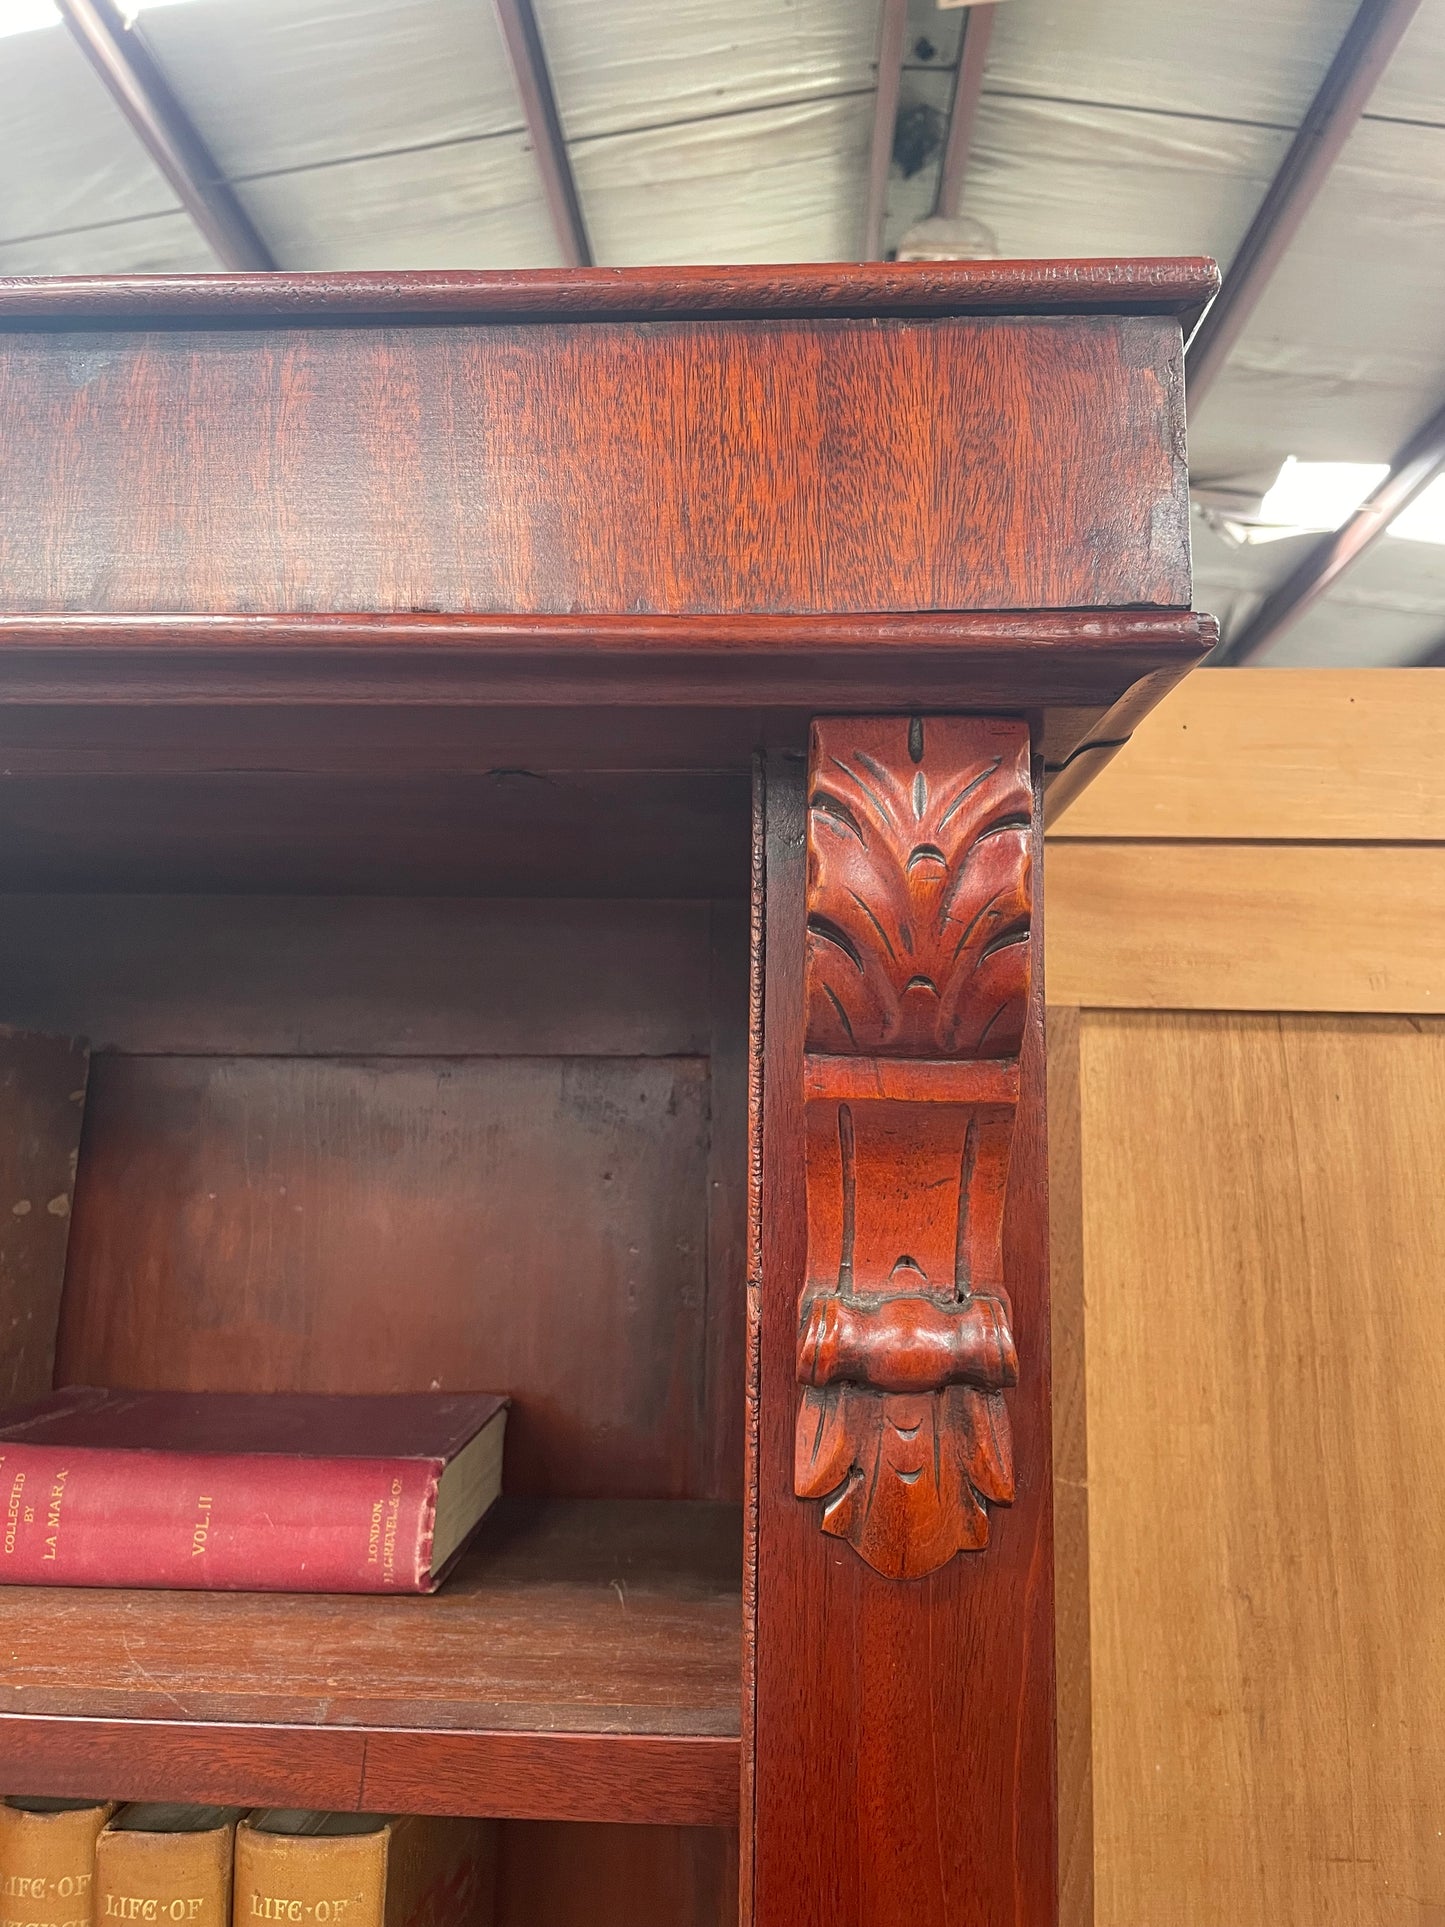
(904, 1765)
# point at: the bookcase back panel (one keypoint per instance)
(512, 831)
(361, 976)
(530, 1225)
(608, 1876)
(42, 1090)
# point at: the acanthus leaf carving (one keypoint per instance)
(918, 947)
(919, 893)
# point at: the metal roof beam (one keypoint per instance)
(963, 115)
(1363, 55)
(141, 91)
(544, 127)
(892, 36)
(1416, 466)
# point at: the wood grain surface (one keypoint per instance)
(1247, 926)
(631, 1779)
(42, 1092)
(920, 836)
(603, 1617)
(1285, 755)
(96, 1759)
(904, 1756)
(592, 1876)
(725, 1335)
(414, 976)
(707, 467)
(1264, 1240)
(510, 831)
(526, 1225)
(1162, 286)
(1069, 650)
(90, 695)
(582, 1664)
(294, 568)
(1069, 1327)
(439, 696)
(631, 1000)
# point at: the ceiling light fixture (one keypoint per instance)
(1305, 498)
(25, 16)
(1424, 520)
(1318, 495)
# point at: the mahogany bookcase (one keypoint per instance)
(531, 787)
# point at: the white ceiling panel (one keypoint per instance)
(1414, 86)
(474, 204)
(632, 64)
(1407, 577)
(276, 84)
(1260, 411)
(1236, 59)
(1340, 633)
(786, 184)
(1229, 580)
(1387, 609)
(67, 158)
(156, 244)
(1053, 179)
(1345, 355)
(386, 134)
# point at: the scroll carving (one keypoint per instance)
(917, 984)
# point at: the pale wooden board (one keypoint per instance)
(1071, 1503)
(1264, 1253)
(1351, 754)
(1247, 926)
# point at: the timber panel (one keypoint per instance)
(830, 466)
(1264, 1240)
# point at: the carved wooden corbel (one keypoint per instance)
(919, 895)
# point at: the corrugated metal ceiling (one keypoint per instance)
(387, 134)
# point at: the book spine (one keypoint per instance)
(164, 1879)
(47, 1866)
(239, 1522)
(310, 1880)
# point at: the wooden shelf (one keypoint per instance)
(583, 1663)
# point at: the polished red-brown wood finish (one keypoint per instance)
(917, 980)
(567, 457)
(531, 789)
(910, 1718)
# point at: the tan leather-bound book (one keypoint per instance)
(363, 1870)
(47, 1862)
(166, 1865)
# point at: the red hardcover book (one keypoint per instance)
(245, 1491)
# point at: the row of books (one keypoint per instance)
(68, 1863)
